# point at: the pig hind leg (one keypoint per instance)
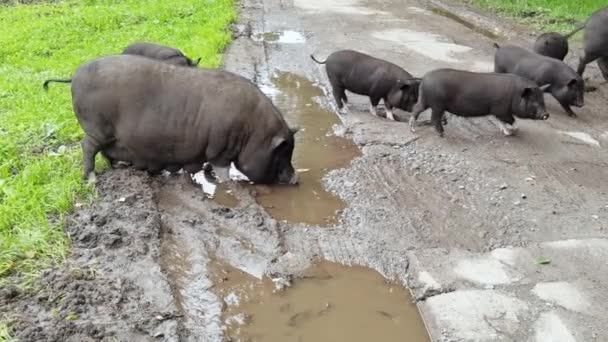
(339, 93)
(437, 119)
(585, 59)
(602, 63)
(419, 107)
(90, 148)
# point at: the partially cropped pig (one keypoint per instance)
(564, 83)
(159, 116)
(473, 94)
(163, 53)
(595, 42)
(366, 75)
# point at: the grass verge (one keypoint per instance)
(40, 158)
(547, 15)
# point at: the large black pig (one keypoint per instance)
(157, 115)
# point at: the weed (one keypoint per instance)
(547, 15)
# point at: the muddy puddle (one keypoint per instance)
(330, 303)
(467, 24)
(315, 153)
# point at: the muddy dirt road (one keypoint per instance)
(461, 220)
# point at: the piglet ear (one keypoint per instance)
(544, 88)
(294, 130)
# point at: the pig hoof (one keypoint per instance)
(390, 116)
(509, 131)
(373, 111)
(91, 177)
(572, 115)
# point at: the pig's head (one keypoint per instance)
(530, 103)
(404, 94)
(268, 160)
(572, 92)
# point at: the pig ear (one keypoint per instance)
(294, 130)
(276, 142)
(544, 88)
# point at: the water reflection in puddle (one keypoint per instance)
(284, 37)
(315, 153)
(330, 303)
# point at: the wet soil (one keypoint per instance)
(327, 302)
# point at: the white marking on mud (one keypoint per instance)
(487, 271)
(550, 328)
(563, 294)
(291, 37)
(427, 279)
(427, 44)
(339, 6)
(468, 314)
(584, 137)
(418, 10)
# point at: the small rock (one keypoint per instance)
(595, 216)
(523, 196)
(503, 186)
(122, 199)
(517, 202)
(461, 187)
(483, 234)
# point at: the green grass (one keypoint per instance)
(548, 15)
(5, 335)
(40, 158)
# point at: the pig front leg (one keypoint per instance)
(507, 124)
(373, 107)
(567, 108)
